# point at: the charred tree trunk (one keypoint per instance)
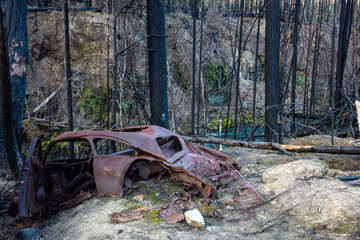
(316, 58)
(108, 65)
(114, 72)
(13, 78)
(346, 14)
(68, 72)
(67, 64)
(284, 80)
(157, 63)
(272, 75)
(7, 123)
(311, 35)
(332, 74)
(194, 15)
(200, 68)
(293, 82)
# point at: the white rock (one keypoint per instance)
(194, 218)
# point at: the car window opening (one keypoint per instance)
(69, 171)
(69, 151)
(169, 146)
(110, 147)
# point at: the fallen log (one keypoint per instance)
(45, 123)
(310, 115)
(281, 147)
(228, 142)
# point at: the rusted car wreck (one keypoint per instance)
(76, 163)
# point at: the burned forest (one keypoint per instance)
(180, 119)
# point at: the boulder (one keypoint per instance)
(303, 189)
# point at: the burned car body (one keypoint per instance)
(107, 160)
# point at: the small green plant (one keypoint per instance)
(153, 216)
(215, 123)
(216, 76)
(300, 80)
(92, 100)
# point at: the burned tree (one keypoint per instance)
(67, 64)
(157, 63)
(272, 75)
(14, 57)
(347, 8)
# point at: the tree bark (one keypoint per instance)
(108, 65)
(200, 68)
(15, 52)
(343, 44)
(114, 72)
(332, 74)
(68, 72)
(310, 40)
(157, 63)
(6, 105)
(272, 75)
(316, 58)
(293, 82)
(193, 95)
(67, 64)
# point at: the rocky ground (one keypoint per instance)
(303, 201)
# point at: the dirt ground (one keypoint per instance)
(90, 220)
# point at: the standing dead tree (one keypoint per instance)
(316, 58)
(332, 74)
(157, 63)
(67, 64)
(194, 15)
(346, 18)
(115, 67)
(272, 75)
(294, 66)
(14, 57)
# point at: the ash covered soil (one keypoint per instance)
(303, 200)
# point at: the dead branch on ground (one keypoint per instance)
(281, 147)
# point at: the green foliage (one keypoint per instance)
(216, 76)
(153, 216)
(91, 100)
(300, 80)
(215, 123)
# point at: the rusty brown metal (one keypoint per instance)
(155, 150)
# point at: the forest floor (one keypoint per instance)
(277, 218)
